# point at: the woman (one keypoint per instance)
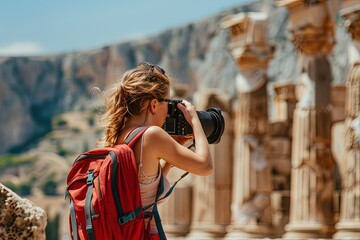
(140, 99)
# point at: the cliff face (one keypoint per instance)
(33, 89)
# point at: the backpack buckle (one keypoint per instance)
(89, 229)
(90, 177)
(129, 217)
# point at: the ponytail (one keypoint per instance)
(126, 99)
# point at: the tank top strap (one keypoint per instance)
(140, 166)
(141, 158)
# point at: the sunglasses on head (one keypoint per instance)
(151, 67)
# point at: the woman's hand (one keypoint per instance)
(188, 110)
(182, 139)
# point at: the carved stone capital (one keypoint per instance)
(249, 57)
(285, 92)
(249, 39)
(313, 40)
(351, 13)
(312, 24)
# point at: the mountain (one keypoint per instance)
(35, 89)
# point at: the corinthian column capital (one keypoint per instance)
(351, 13)
(249, 44)
(312, 24)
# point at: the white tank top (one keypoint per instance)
(149, 187)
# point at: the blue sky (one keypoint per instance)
(47, 27)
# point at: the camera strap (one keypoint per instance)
(192, 145)
(160, 190)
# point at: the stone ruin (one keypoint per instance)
(20, 219)
(276, 177)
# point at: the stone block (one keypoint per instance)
(278, 146)
(20, 218)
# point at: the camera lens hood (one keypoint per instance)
(215, 137)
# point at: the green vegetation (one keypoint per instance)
(62, 151)
(49, 187)
(97, 110)
(75, 130)
(22, 189)
(13, 160)
(10, 160)
(99, 132)
(59, 123)
(91, 121)
(50, 136)
(52, 228)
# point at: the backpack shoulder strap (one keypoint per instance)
(135, 135)
(130, 141)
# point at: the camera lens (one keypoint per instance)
(213, 124)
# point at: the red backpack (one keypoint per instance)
(104, 194)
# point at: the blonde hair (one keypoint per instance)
(126, 98)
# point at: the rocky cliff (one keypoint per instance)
(34, 89)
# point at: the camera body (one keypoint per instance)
(211, 120)
(175, 123)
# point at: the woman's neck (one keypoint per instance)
(137, 121)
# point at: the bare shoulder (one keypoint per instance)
(155, 133)
(157, 141)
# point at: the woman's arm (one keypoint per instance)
(166, 168)
(163, 146)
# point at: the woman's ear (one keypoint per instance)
(153, 105)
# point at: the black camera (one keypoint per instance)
(211, 120)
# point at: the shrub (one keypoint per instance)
(49, 187)
(59, 123)
(52, 228)
(22, 189)
(10, 160)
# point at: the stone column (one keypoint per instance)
(251, 206)
(348, 226)
(176, 211)
(337, 141)
(279, 153)
(212, 194)
(312, 182)
(20, 218)
(284, 105)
